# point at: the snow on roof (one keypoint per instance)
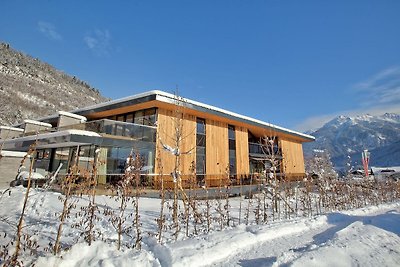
(38, 123)
(72, 115)
(11, 128)
(120, 100)
(70, 132)
(380, 169)
(12, 154)
(57, 134)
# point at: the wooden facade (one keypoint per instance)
(292, 159)
(217, 150)
(242, 148)
(217, 158)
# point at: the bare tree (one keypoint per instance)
(14, 260)
(68, 183)
(176, 150)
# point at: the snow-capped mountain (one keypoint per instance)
(30, 88)
(349, 136)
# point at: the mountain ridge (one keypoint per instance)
(345, 137)
(30, 88)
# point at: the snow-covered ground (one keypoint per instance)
(360, 237)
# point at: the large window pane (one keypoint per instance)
(149, 117)
(61, 156)
(201, 149)
(201, 126)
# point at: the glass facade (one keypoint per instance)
(232, 149)
(117, 159)
(42, 161)
(143, 117)
(86, 158)
(200, 149)
(61, 157)
(261, 154)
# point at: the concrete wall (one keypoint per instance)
(9, 169)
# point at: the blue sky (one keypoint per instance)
(293, 63)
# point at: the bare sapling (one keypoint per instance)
(249, 204)
(257, 210)
(240, 199)
(273, 162)
(137, 165)
(161, 219)
(92, 201)
(208, 210)
(177, 151)
(227, 205)
(67, 186)
(14, 259)
(88, 214)
(192, 198)
(219, 209)
(123, 190)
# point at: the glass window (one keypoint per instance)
(201, 126)
(201, 160)
(112, 160)
(61, 156)
(201, 148)
(139, 117)
(39, 154)
(86, 158)
(149, 117)
(231, 132)
(232, 144)
(129, 117)
(232, 149)
(42, 162)
(121, 118)
(201, 140)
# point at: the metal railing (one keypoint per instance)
(109, 127)
(117, 128)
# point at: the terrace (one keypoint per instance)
(107, 128)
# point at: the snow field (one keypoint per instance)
(367, 237)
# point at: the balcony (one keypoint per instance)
(263, 151)
(116, 128)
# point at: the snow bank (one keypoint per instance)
(99, 254)
(356, 245)
(365, 237)
(220, 245)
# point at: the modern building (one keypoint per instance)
(214, 144)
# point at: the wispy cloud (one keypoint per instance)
(382, 88)
(99, 42)
(49, 30)
(377, 95)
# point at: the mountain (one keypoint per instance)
(30, 88)
(345, 137)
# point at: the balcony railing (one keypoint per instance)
(256, 148)
(116, 128)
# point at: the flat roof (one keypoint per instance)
(172, 99)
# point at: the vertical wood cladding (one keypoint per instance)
(217, 149)
(166, 124)
(293, 160)
(242, 151)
